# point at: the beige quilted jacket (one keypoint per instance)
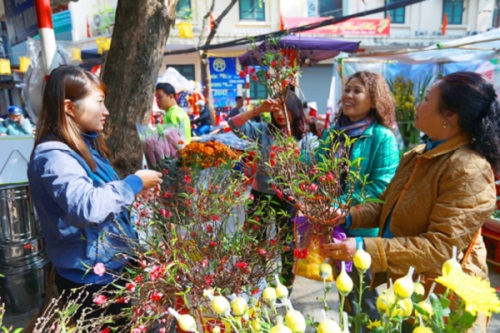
(440, 198)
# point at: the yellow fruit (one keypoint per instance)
(256, 325)
(279, 327)
(269, 295)
(426, 305)
(422, 329)
(452, 266)
(344, 282)
(239, 306)
(328, 326)
(186, 322)
(404, 308)
(419, 289)
(385, 301)
(325, 271)
(221, 305)
(295, 321)
(403, 287)
(362, 260)
(281, 290)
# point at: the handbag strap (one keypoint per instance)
(469, 249)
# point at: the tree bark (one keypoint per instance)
(205, 64)
(131, 70)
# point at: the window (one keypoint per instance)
(454, 9)
(183, 9)
(257, 91)
(324, 8)
(397, 15)
(252, 10)
(185, 70)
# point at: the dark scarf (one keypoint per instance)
(344, 126)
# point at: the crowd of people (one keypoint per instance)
(437, 197)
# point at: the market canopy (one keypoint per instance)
(313, 48)
(483, 46)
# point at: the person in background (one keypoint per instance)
(81, 202)
(241, 108)
(174, 114)
(264, 134)
(366, 115)
(16, 124)
(443, 191)
(203, 122)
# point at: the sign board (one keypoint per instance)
(21, 20)
(356, 26)
(62, 21)
(16, 151)
(224, 80)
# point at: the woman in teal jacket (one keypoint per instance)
(367, 114)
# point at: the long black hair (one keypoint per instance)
(475, 101)
(293, 104)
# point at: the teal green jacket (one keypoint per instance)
(378, 150)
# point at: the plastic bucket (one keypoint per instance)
(22, 287)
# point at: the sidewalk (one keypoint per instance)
(306, 292)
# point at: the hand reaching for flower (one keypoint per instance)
(341, 251)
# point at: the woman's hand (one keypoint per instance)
(341, 251)
(150, 179)
(269, 105)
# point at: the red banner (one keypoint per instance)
(356, 26)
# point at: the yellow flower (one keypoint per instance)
(374, 324)
(476, 293)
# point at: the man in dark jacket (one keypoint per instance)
(203, 122)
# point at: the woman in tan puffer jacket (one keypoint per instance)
(443, 191)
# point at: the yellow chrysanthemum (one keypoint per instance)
(475, 292)
(374, 324)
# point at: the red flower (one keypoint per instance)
(208, 280)
(241, 264)
(262, 251)
(106, 330)
(255, 291)
(204, 263)
(156, 272)
(167, 195)
(187, 179)
(322, 179)
(255, 78)
(165, 171)
(237, 193)
(138, 279)
(122, 300)
(313, 187)
(130, 287)
(274, 63)
(138, 311)
(274, 241)
(156, 297)
(330, 177)
(212, 244)
(166, 213)
(255, 227)
(242, 74)
(300, 253)
(143, 263)
(209, 228)
(215, 218)
(252, 70)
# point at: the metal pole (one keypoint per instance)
(47, 35)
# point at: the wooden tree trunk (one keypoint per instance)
(140, 33)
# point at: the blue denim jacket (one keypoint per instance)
(83, 214)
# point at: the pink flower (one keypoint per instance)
(166, 213)
(156, 272)
(99, 269)
(330, 177)
(162, 330)
(313, 187)
(208, 280)
(262, 252)
(100, 299)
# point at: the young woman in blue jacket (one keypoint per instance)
(367, 114)
(81, 202)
